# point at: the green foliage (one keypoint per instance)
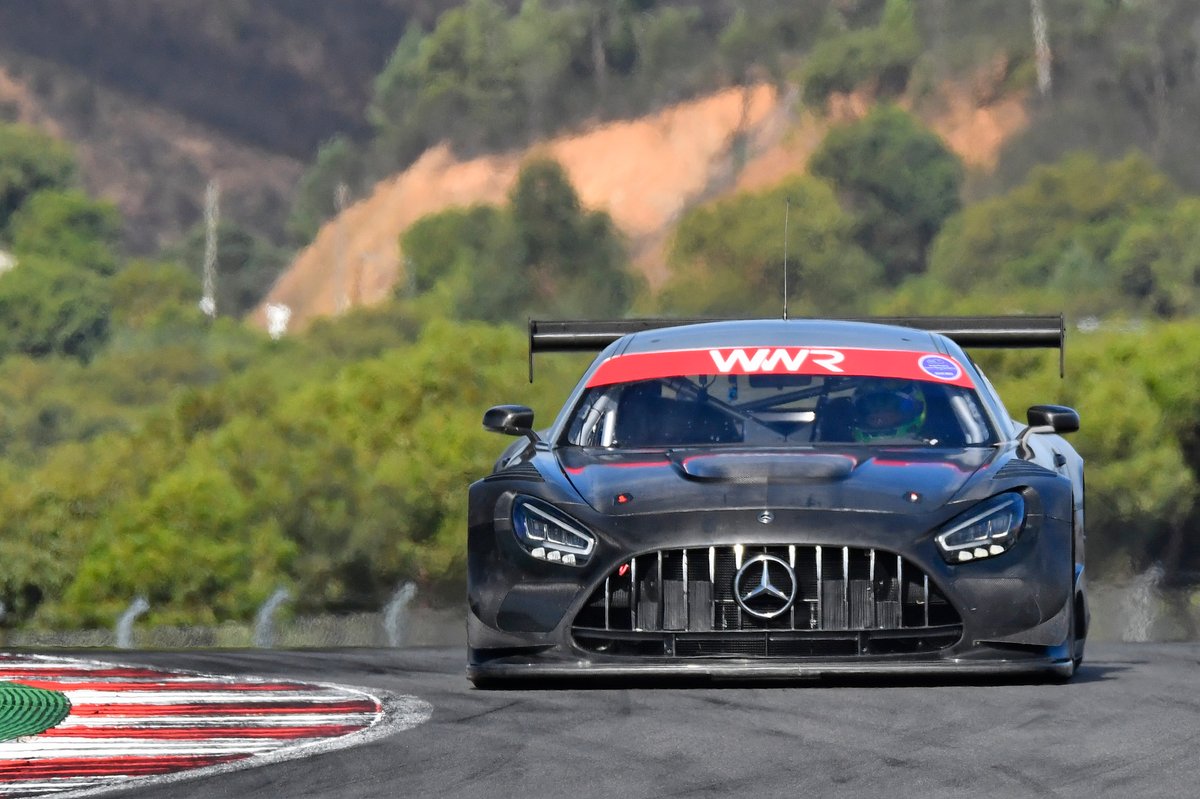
(727, 259)
(1124, 77)
(147, 293)
(492, 76)
(1156, 263)
(1060, 228)
(461, 79)
(543, 255)
(542, 42)
(247, 266)
(363, 332)
(900, 181)
(1139, 400)
(147, 450)
(574, 258)
(189, 547)
(30, 162)
(340, 485)
(338, 163)
(68, 227)
(882, 56)
(400, 135)
(48, 308)
(452, 241)
(52, 513)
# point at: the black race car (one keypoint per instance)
(780, 498)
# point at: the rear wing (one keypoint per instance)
(990, 332)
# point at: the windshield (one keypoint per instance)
(775, 410)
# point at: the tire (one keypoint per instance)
(1078, 642)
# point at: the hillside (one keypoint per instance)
(644, 173)
(160, 97)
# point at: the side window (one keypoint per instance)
(995, 404)
(592, 425)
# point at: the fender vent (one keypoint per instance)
(1020, 468)
(522, 471)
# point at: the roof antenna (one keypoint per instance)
(787, 210)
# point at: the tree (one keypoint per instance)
(48, 308)
(190, 546)
(898, 179)
(468, 82)
(29, 163)
(338, 163)
(1156, 263)
(543, 42)
(146, 291)
(1019, 239)
(440, 245)
(881, 56)
(69, 227)
(400, 135)
(544, 254)
(727, 258)
(1138, 395)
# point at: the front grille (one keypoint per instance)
(849, 601)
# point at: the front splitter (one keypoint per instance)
(750, 670)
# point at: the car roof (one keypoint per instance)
(785, 333)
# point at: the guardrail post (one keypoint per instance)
(125, 624)
(395, 616)
(264, 620)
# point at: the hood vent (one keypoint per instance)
(762, 467)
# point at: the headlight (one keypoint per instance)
(991, 528)
(549, 535)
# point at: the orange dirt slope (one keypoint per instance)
(645, 173)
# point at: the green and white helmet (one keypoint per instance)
(889, 409)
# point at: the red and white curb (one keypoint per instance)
(134, 726)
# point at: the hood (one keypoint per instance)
(865, 479)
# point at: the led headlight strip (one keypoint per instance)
(989, 529)
(549, 535)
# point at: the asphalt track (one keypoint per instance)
(1127, 726)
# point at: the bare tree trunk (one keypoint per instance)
(599, 61)
(1041, 47)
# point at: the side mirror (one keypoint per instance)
(511, 420)
(1046, 419)
(1059, 418)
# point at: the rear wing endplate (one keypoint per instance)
(990, 332)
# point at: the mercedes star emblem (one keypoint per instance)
(765, 586)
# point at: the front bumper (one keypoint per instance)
(1011, 614)
(532, 658)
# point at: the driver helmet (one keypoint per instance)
(889, 409)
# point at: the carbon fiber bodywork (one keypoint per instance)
(871, 522)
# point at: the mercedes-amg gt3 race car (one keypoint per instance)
(780, 498)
